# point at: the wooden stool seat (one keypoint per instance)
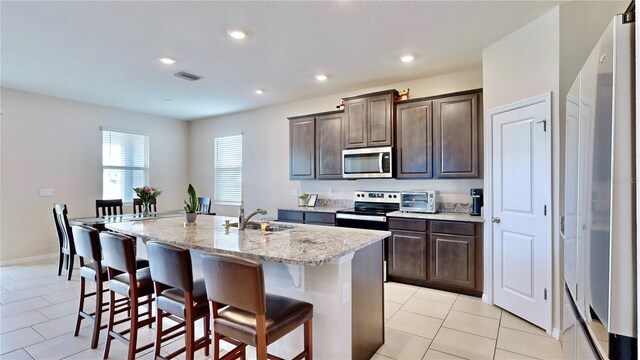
(173, 301)
(252, 317)
(283, 315)
(120, 284)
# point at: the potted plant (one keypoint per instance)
(302, 199)
(147, 194)
(191, 206)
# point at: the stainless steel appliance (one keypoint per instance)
(370, 210)
(423, 201)
(599, 232)
(367, 163)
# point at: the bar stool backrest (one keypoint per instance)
(235, 281)
(170, 265)
(119, 251)
(87, 242)
(65, 236)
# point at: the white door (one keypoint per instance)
(521, 190)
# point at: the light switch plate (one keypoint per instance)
(46, 192)
(294, 193)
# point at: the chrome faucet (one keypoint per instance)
(242, 220)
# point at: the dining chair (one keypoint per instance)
(108, 207)
(65, 238)
(131, 282)
(179, 298)
(204, 206)
(252, 316)
(138, 207)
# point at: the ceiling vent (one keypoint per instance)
(187, 76)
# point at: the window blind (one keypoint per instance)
(125, 164)
(228, 170)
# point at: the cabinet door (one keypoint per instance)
(452, 259)
(380, 130)
(301, 148)
(329, 146)
(414, 140)
(408, 255)
(291, 216)
(455, 128)
(355, 123)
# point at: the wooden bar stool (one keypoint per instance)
(252, 317)
(132, 283)
(65, 238)
(184, 300)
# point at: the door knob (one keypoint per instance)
(495, 220)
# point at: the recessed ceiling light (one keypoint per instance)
(406, 59)
(167, 60)
(259, 91)
(237, 34)
(321, 77)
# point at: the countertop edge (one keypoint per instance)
(460, 217)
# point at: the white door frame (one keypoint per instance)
(487, 295)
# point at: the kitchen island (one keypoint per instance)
(338, 270)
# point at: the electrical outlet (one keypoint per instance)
(346, 292)
(46, 192)
(294, 193)
(330, 190)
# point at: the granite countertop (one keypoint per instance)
(438, 216)
(307, 245)
(324, 209)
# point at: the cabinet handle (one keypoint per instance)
(495, 220)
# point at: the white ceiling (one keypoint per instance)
(107, 52)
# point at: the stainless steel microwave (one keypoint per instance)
(367, 163)
(418, 201)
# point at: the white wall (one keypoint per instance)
(266, 149)
(48, 142)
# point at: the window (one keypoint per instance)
(125, 164)
(228, 170)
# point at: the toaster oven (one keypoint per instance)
(423, 201)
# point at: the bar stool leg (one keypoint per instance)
(149, 308)
(98, 316)
(188, 338)
(70, 263)
(80, 306)
(308, 342)
(207, 333)
(60, 262)
(112, 310)
(133, 338)
(156, 347)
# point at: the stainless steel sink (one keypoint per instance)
(256, 226)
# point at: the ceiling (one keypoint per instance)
(107, 53)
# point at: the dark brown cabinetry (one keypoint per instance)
(307, 217)
(444, 255)
(414, 155)
(315, 146)
(302, 148)
(329, 146)
(456, 132)
(408, 254)
(369, 120)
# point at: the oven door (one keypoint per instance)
(369, 222)
(367, 163)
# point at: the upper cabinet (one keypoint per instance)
(329, 146)
(369, 120)
(414, 148)
(315, 146)
(302, 148)
(456, 131)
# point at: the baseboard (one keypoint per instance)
(486, 299)
(555, 333)
(28, 259)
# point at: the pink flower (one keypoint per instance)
(147, 190)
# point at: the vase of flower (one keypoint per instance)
(147, 194)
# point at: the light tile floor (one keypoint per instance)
(37, 317)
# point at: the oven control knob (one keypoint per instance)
(395, 196)
(389, 196)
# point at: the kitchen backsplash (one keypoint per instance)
(339, 203)
(446, 207)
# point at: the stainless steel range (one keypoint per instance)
(370, 210)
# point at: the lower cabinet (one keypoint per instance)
(307, 217)
(445, 255)
(408, 255)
